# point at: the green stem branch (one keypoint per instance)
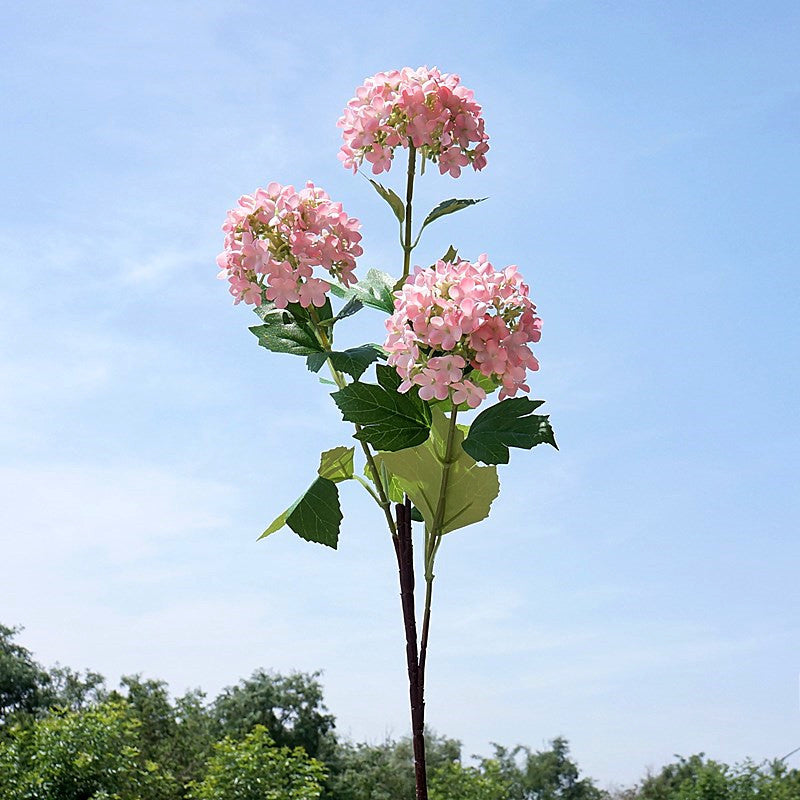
(407, 245)
(433, 538)
(339, 379)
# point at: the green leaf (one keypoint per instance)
(324, 314)
(448, 207)
(509, 423)
(352, 306)
(278, 522)
(297, 311)
(388, 377)
(375, 291)
(283, 333)
(418, 470)
(393, 489)
(389, 420)
(337, 464)
(451, 255)
(486, 382)
(316, 516)
(353, 361)
(392, 199)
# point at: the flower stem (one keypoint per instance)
(341, 382)
(433, 538)
(407, 245)
(404, 549)
(438, 519)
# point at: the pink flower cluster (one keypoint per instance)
(424, 107)
(458, 319)
(276, 236)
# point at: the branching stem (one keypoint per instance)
(382, 496)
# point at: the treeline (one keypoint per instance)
(64, 735)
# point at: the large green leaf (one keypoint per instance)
(315, 516)
(448, 207)
(337, 464)
(375, 290)
(389, 420)
(509, 423)
(419, 470)
(353, 361)
(391, 198)
(283, 333)
(393, 489)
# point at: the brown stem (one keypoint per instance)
(404, 549)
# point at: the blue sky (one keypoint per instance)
(637, 591)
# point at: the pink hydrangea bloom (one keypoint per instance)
(275, 238)
(423, 107)
(458, 319)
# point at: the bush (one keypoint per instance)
(457, 782)
(80, 755)
(256, 769)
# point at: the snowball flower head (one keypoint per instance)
(423, 107)
(456, 321)
(275, 238)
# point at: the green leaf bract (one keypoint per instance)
(353, 361)
(315, 516)
(387, 419)
(375, 290)
(509, 423)
(448, 207)
(391, 197)
(282, 332)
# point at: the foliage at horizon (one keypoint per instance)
(78, 740)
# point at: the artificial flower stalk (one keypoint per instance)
(407, 245)
(456, 332)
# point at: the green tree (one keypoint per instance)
(544, 774)
(148, 701)
(698, 778)
(290, 707)
(23, 682)
(254, 768)
(384, 771)
(454, 781)
(81, 755)
(178, 735)
(73, 690)
(194, 737)
(772, 781)
(665, 785)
